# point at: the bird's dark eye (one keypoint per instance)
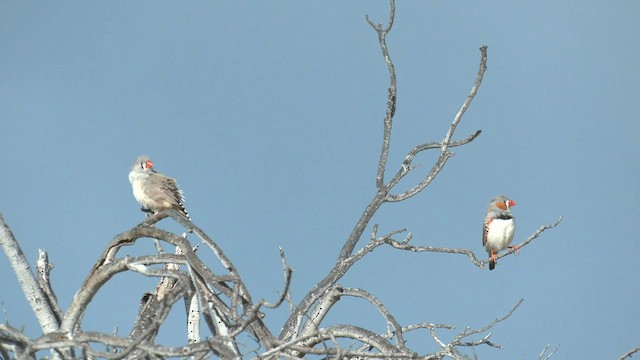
(142, 165)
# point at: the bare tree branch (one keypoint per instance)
(352, 332)
(37, 298)
(221, 298)
(629, 353)
(80, 340)
(446, 142)
(151, 303)
(404, 245)
(529, 239)
(544, 356)
(44, 267)
(391, 102)
(14, 338)
(458, 339)
(406, 166)
(193, 318)
(337, 292)
(345, 258)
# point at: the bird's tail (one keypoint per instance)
(183, 210)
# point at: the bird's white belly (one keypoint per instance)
(500, 234)
(138, 191)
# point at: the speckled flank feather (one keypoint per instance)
(153, 190)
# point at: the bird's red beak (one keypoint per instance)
(149, 164)
(511, 203)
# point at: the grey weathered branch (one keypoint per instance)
(458, 339)
(628, 354)
(544, 356)
(287, 272)
(161, 312)
(36, 296)
(174, 285)
(336, 293)
(437, 167)
(15, 339)
(223, 300)
(44, 281)
(444, 145)
(391, 99)
(404, 245)
(81, 339)
(528, 240)
(152, 304)
(378, 346)
(332, 295)
(346, 257)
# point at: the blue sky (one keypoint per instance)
(270, 116)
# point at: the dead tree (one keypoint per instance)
(220, 308)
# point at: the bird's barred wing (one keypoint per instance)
(164, 188)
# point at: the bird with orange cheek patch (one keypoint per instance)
(498, 228)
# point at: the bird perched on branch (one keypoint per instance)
(153, 190)
(498, 227)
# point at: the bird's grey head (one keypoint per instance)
(142, 164)
(501, 202)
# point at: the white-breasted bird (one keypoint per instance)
(498, 227)
(153, 190)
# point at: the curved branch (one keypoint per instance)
(139, 342)
(238, 296)
(180, 288)
(287, 271)
(382, 309)
(351, 332)
(406, 164)
(325, 304)
(98, 278)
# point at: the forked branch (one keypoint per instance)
(224, 301)
(347, 257)
(444, 145)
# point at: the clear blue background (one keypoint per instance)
(270, 116)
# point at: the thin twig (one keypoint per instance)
(529, 239)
